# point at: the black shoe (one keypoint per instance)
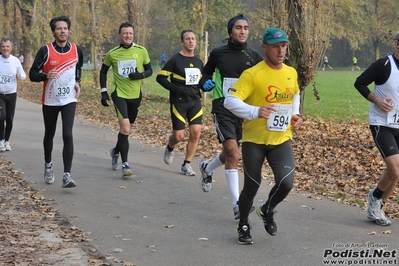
(244, 236)
(268, 220)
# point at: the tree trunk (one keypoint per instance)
(304, 23)
(27, 22)
(139, 14)
(377, 51)
(94, 45)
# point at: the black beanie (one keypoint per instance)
(233, 20)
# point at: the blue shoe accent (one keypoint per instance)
(126, 171)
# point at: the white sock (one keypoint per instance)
(215, 163)
(232, 184)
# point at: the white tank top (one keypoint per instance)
(389, 89)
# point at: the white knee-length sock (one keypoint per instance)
(215, 163)
(232, 184)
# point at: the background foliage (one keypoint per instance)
(352, 27)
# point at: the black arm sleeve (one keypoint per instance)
(147, 70)
(207, 72)
(35, 73)
(378, 72)
(79, 65)
(164, 82)
(363, 89)
(103, 75)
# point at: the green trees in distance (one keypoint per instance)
(339, 28)
(361, 27)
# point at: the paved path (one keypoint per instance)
(157, 217)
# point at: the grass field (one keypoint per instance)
(340, 101)
(339, 98)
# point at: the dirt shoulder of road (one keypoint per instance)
(32, 231)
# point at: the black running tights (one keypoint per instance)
(50, 116)
(281, 160)
(7, 111)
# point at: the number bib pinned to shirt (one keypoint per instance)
(62, 88)
(126, 67)
(280, 120)
(5, 78)
(227, 84)
(393, 116)
(193, 76)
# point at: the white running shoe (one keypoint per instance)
(205, 179)
(7, 145)
(115, 159)
(374, 210)
(187, 170)
(67, 181)
(49, 174)
(168, 155)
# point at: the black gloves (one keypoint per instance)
(105, 98)
(136, 75)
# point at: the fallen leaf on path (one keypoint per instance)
(169, 226)
(127, 263)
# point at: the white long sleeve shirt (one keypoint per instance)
(246, 111)
(9, 67)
